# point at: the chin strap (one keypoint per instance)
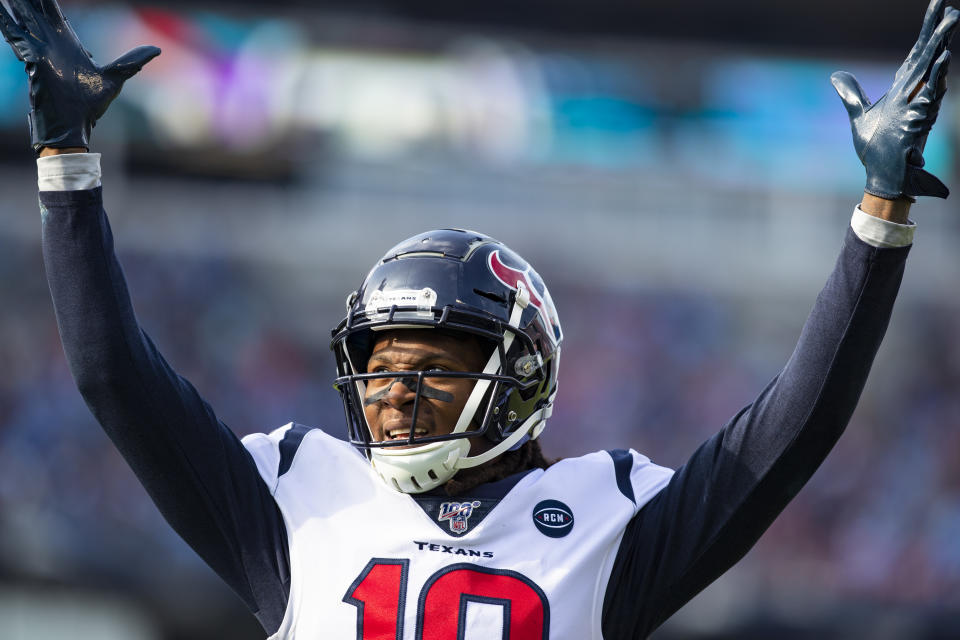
(532, 426)
(531, 429)
(493, 364)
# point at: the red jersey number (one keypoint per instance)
(379, 594)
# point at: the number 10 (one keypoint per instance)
(379, 593)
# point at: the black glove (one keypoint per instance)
(68, 91)
(889, 135)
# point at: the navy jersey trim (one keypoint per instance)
(289, 446)
(622, 465)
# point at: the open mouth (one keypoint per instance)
(403, 433)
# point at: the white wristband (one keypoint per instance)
(69, 172)
(879, 232)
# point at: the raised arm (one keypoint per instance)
(733, 487)
(196, 470)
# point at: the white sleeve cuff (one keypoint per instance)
(881, 233)
(69, 172)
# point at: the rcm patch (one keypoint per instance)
(553, 518)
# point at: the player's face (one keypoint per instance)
(388, 403)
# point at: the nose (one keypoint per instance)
(401, 391)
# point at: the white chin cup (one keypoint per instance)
(428, 466)
(421, 468)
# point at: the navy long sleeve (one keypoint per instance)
(195, 469)
(730, 490)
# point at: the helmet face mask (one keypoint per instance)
(452, 282)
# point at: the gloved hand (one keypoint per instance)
(68, 91)
(889, 135)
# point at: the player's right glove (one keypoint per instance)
(68, 90)
(889, 135)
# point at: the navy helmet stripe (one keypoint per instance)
(289, 445)
(622, 465)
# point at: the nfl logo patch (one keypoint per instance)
(457, 514)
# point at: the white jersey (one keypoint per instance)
(370, 563)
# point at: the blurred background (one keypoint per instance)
(681, 175)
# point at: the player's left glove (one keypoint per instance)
(889, 135)
(68, 90)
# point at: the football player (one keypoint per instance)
(448, 362)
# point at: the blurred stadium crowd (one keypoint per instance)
(238, 281)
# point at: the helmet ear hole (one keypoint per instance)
(541, 372)
(547, 374)
(492, 403)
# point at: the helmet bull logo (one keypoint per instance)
(539, 296)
